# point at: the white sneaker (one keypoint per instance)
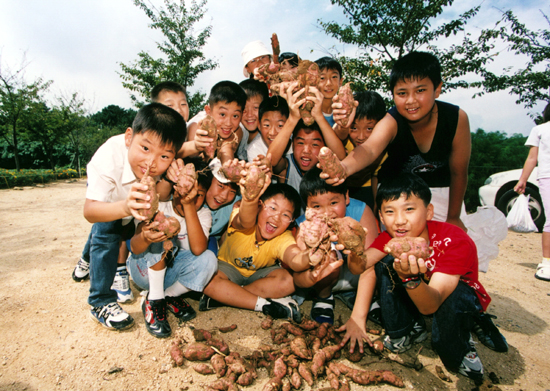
(81, 270)
(283, 308)
(121, 285)
(543, 272)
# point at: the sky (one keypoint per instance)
(79, 44)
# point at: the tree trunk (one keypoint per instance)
(15, 149)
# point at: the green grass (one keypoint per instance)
(12, 178)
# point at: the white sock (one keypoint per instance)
(546, 261)
(260, 303)
(177, 289)
(156, 284)
(120, 268)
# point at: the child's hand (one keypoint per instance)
(133, 204)
(338, 114)
(293, 100)
(356, 333)
(202, 141)
(174, 170)
(264, 162)
(189, 198)
(317, 99)
(409, 265)
(327, 267)
(151, 235)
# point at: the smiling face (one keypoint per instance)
(219, 194)
(332, 205)
(406, 217)
(227, 117)
(306, 146)
(175, 100)
(145, 149)
(257, 62)
(360, 130)
(329, 82)
(415, 98)
(250, 118)
(271, 124)
(274, 218)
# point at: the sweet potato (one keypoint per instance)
(306, 374)
(169, 225)
(223, 384)
(308, 324)
(318, 363)
(367, 377)
(232, 170)
(330, 164)
(296, 379)
(299, 348)
(219, 344)
(412, 246)
(245, 379)
(209, 124)
(176, 352)
(273, 384)
(315, 345)
(186, 179)
(254, 181)
(345, 97)
(219, 365)
(322, 331)
(291, 361)
(279, 368)
(356, 356)
(227, 329)
(197, 351)
(267, 323)
(201, 335)
(350, 233)
(151, 191)
(332, 379)
(331, 351)
(378, 346)
(286, 384)
(344, 384)
(203, 369)
(292, 329)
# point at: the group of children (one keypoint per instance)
(409, 165)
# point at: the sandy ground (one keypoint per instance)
(48, 342)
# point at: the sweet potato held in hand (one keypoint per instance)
(345, 97)
(412, 246)
(151, 191)
(330, 164)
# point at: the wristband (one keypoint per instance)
(411, 282)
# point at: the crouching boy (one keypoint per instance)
(444, 285)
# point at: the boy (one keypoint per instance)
(422, 135)
(114, 195)
(256, 93)
(171, 94)
(258, 236)
(334, 202)
(330, 81)
(445, 284)
(307, 141)
(225, 104)
(370, 110)
(273, 114)
(191, 267)
(254, 54)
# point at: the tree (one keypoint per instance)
(115, 117)
(15, 97)
(73, 123)
(385, 30)
(531, 83)
(182, 50)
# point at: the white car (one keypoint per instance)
(499, 191)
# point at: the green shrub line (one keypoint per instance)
(13, 178)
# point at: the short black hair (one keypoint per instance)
(308, 128)
(167, 86)
(286, 191)
(329, 63)
(408, 184)
(313, 185)
(254, 88)
(291, 58)
(227, 91)
(371, 105)
(274, 103)
(163, 121)
(415, 66)
(546, 114)
(204, 174)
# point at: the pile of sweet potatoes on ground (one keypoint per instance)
(301, 353)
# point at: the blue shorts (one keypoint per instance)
(192, 271)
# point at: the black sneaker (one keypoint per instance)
(400, 345)
(180, 308)
(283, 308)
(488, 334)
(322, 310)
(375, 313)
(207, 303)
(81, 271)
(154, 312)
(471, 366)
(112, 316)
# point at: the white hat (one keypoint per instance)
(216, 167)
(251, 51)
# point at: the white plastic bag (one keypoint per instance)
(519, 218)
(487, 227)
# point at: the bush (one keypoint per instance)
(12, 178)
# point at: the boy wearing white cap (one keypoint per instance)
(254, 55)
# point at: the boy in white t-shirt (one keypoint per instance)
(273, 114)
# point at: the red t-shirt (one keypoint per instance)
(454, 252)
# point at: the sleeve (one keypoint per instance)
(101, 172)
(534, 139)
(233, 214)
(381, 241)
(205, 218)
(355, 209)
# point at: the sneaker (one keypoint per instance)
(488, 334)
(81, 271)
(543, 272)
(322, 310)
(471, 366)
(347, 297)
(121, 285)
(112, 316)
(180, 308)
(283, 308)
(154, 312)
(400, 345)
(206, 303)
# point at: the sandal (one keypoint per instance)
(322, 310)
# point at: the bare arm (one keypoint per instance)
(331, 139)
(198, 242)
(458, 164)
(528, 167)
(144, 236)
(248, 210)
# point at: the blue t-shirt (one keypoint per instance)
(354, 210)
(220, 218)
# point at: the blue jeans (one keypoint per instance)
(451, 324)
(102, 248)
(192, 271)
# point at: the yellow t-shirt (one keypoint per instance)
(240, 249)
(368, 171)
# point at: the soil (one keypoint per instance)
(48, 341)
